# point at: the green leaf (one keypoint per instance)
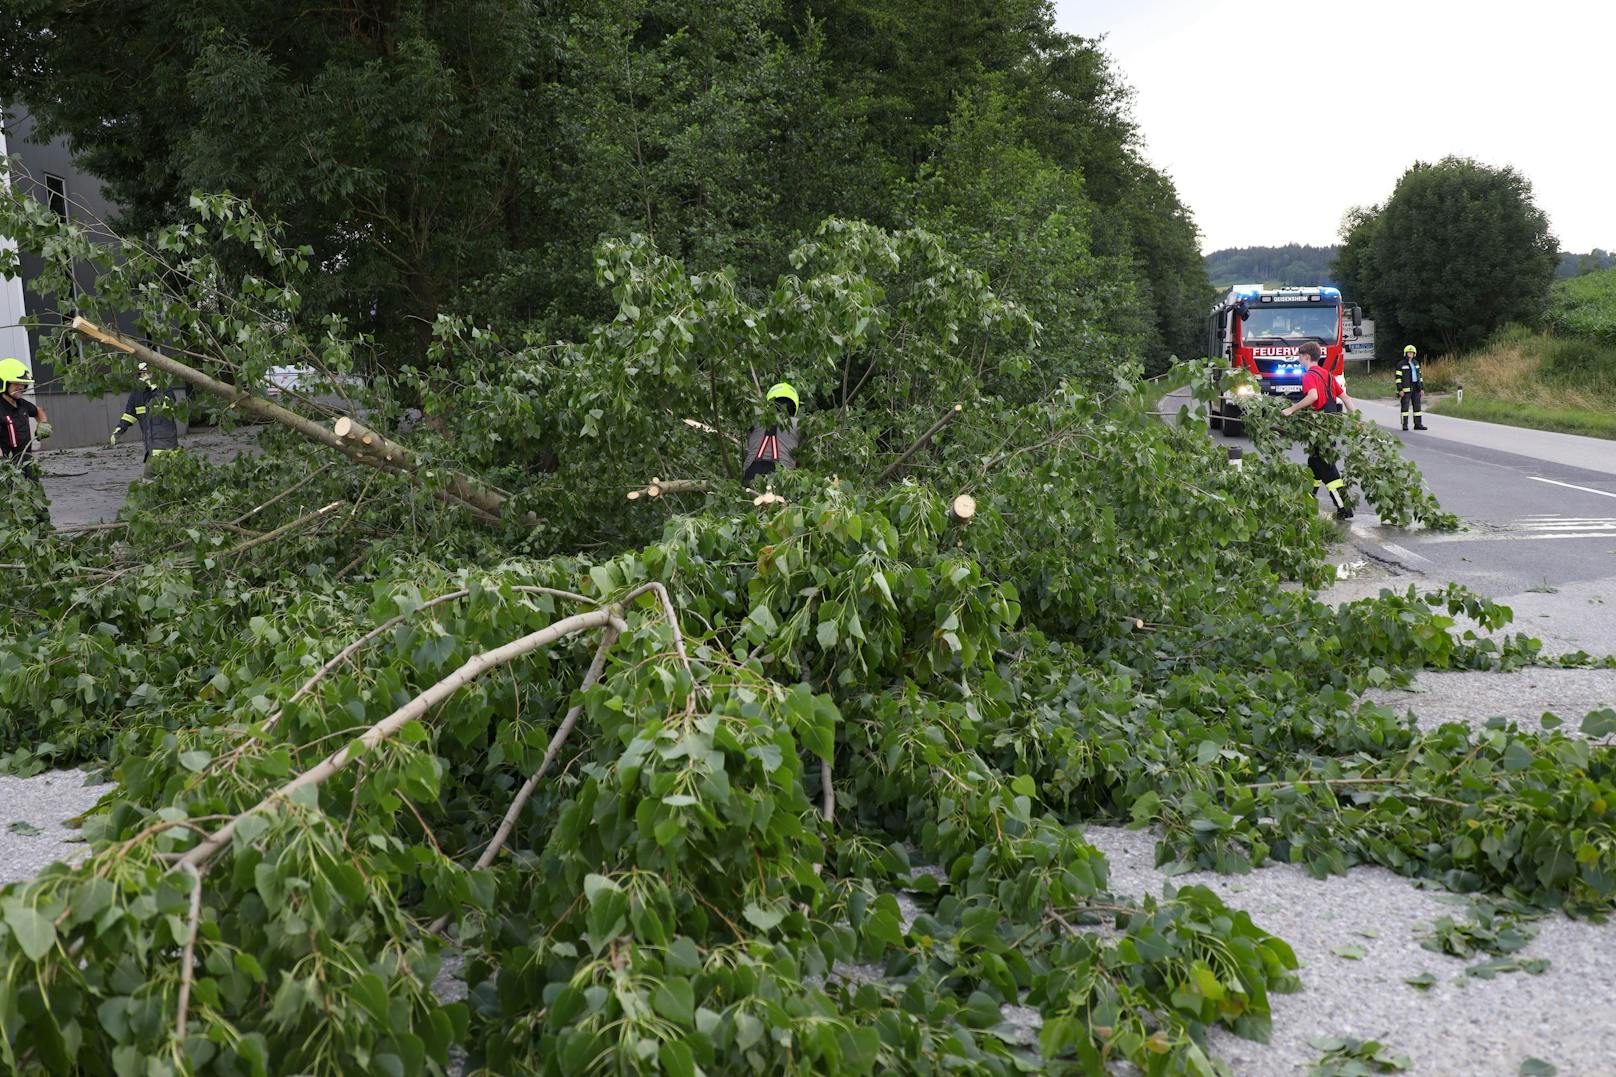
(371, 992)
(596, 885)
(761, 918)
(748, 1029)
(827, 634)
(195, 761)
(1424, 981)
(675, 1000)
(1350, 951)
(1599, 723)
(1537, 1067)
(35, 934)
(677, 1059)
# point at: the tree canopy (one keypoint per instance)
(1459, 249)
(465, 158)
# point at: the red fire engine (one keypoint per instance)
(1262, 330)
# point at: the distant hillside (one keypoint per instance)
(1573, 264)
(1294, 263)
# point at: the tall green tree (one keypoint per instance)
(1459, 249)
(388, 136)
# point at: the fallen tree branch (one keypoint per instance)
(468, 671)
(188, 957)
(367, 443)
(483, 502)
(234, 529)
(664, 487)
(288, 492)
(596, 666)
(920, 443)
(673, 618)
(284, 529)
(827, 794)
(393, 622)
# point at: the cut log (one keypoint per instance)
(381, 453)
(962, 509)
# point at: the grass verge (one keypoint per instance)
(1598, 424)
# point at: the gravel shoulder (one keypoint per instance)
(1522, 696)
(1462, 1026)
(34, 814)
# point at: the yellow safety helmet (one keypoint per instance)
(784, 391)
(1409, 349)
(12, 369)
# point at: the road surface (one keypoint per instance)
(1539, 513)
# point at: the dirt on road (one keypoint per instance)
(90, 485)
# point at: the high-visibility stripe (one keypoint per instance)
(1317, 483)
(1335, 485)
(141, 410)
(128, 418)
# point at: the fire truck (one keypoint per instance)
(1261, 331)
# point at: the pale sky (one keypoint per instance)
(1226, 111)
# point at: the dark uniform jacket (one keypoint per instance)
(16, 434)
(1408, 376)
(153, 409)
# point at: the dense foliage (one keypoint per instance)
(1459, 249)
(465, 158)
(696, 783)
(1585, 306)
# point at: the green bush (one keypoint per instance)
(1581, 361)
(1585, 306)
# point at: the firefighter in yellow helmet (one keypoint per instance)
(16, 433)
(774, 445)
(1410, 384)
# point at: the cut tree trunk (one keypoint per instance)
(381, 453)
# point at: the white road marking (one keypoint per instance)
(1403, 552)
(1569, 486)
(1522, 536)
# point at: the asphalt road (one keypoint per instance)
(1539, 512)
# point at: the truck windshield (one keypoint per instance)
(1292, 323)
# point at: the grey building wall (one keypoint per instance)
(44, 168)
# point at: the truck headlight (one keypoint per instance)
(1245, 390)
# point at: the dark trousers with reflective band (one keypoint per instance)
(1410, 401)
(1326, 474)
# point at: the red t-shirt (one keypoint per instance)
(1323, 385)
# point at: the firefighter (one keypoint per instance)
(1323, 391)
(153, 409)
(16, 435)
(1410, 383)
(769, 447)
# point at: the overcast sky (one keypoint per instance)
(1225, 109)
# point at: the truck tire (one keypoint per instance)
(1232, 426)
(1215, 415)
